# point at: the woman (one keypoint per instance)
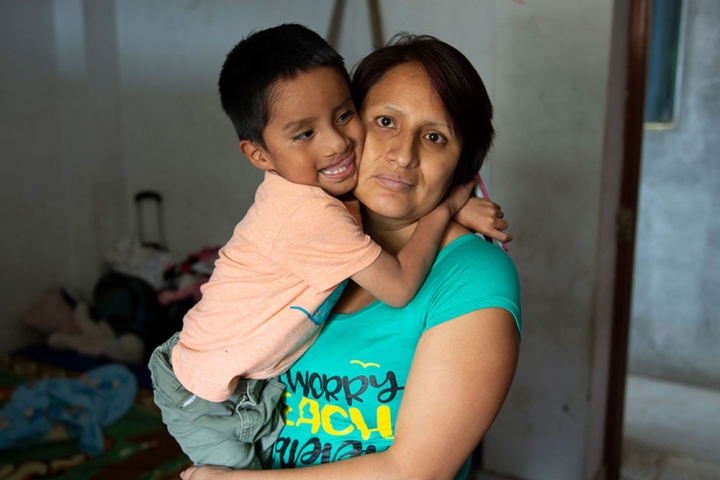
(451, 353)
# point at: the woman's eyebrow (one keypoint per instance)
(401, 113)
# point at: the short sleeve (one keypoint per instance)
(323, 244)
(473, 276)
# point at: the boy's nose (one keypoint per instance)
(337, 142)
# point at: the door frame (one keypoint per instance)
(637, 55)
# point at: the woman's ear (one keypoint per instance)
(257, 155)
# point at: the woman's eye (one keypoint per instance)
(435, 138)
(345, 116)
(385, 122)
(303, 135)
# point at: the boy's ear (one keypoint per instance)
(256, 154)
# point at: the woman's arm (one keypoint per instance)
(459, 378)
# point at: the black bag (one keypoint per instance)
(129, 304)
(122, 297)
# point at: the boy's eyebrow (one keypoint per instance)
(345, 102)
(295, 124)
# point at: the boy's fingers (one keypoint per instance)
(501, 224)
(187, 473)
(500, 236)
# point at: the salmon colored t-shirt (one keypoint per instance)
(271, 289)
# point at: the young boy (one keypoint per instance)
(287, 94)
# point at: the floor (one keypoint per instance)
(671, 431)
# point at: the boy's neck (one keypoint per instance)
(348, 197)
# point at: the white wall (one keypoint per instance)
(102, 99)
(175, 137)
(61, 170)
(143, 113)
(551, 64)
(34, 238)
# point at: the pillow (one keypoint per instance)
(52, 312)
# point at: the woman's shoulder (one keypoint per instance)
(470, 273)
(470, 242)
(472, 251)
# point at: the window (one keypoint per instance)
(664, 62)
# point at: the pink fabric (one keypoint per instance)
(51, 313)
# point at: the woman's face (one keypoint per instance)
(411, 150)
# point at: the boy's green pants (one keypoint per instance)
(238, 433)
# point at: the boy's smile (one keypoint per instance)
(314, 135)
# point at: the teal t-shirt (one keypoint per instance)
(344, 393)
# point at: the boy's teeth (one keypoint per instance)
(335, 171)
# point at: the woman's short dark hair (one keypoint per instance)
(456, 82)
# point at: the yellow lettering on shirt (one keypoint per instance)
(327, 412)
(286, 411)
(384, 423)
(314, 414)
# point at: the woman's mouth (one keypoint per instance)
(342, 169)
(394, 182)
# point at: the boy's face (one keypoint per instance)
(314, 135)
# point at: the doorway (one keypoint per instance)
(665, 362)
(672, 403)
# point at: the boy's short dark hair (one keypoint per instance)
(260, 61)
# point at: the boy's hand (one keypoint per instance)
(200, 473)
(484, 216)
(456, 199)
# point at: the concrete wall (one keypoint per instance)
(102, 99)
(28, 91)
(61, 174)
(175, 137)
(552, 63)
(675, 330)
(149, 71)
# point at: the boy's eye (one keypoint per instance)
(385, 122)
(435, 138)
(345, 116)
(303, 135)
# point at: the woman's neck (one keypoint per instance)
(391, 234)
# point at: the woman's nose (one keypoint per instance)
(403, 151)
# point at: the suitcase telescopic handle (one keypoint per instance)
(148, 195)
(156, 197)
